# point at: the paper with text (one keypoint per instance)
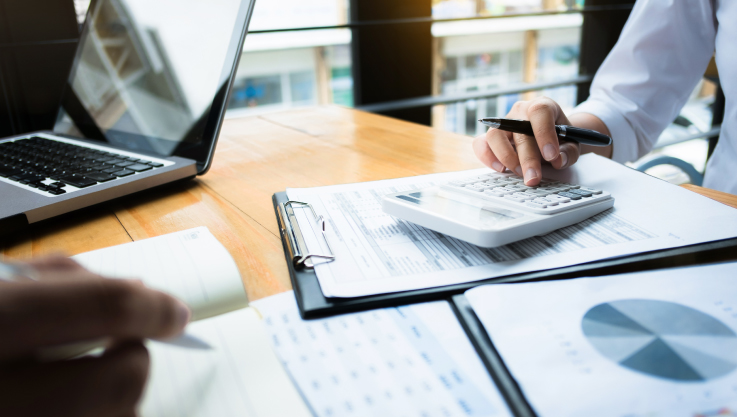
(191, 265)
(407, 361)
(377, 253)
(655, 344)
(239, 377)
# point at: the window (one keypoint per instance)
(294, 68)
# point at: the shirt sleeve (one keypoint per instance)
(648, 76)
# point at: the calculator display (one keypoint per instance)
(461, 209)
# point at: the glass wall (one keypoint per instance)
(285, 69)
(479, 55)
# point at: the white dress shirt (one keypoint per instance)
(648, 76)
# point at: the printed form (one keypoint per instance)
(376, 253)
(412, 361)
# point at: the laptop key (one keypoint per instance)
(124, 164)
(156, 164)
(124, 173)
(99, 176)
(139, 167)
(6, 171)
(79, 182)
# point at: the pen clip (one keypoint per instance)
(296, 245)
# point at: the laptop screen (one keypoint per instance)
(153, 75)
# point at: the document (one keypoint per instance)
(191, 265)
(239, 377)
(652, 344)
(408, 361)
(376, 253)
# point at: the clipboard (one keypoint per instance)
(489, 356)
(313, 304)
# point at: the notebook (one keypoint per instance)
(240, 376)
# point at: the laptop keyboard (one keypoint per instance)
(52, 166)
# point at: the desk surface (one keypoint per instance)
(256, 157)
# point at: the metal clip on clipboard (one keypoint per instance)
(295, 240)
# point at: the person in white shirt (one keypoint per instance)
(640, 88)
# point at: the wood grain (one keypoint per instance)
(724, 198)
(255, 158)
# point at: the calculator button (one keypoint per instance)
(570, 186)
(582, 193)
(516, 187)
(536, 204)
(546, 201)
(475, 187)
(498, 192)
(558, 198)
(591, 190)
(516, 198)
(572, 196)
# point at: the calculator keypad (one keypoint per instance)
(548, 197)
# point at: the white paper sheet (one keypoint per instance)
(239, 377)
(651, 344)
(377, 253)
(191, 265)
(407, 361)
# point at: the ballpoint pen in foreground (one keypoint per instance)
(21, 273)
(570, 133)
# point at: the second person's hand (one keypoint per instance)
(523, 154)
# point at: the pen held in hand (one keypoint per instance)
(569, 133)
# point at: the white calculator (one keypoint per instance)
(497, 208)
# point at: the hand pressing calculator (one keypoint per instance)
(497, 208)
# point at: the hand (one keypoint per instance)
(523, 154)
(70, 304)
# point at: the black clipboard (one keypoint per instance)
(313, 304)
(491, 359)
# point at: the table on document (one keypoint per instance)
(408, 361)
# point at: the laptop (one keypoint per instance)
(142, 107)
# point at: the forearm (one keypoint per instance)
(589, 121)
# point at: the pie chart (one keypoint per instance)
(662, 339)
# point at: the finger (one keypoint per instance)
(529, 158)
(59, 268)
(55, 261)
(499, 143)
(36, 315)
(542, 114)
(569, 153)
(485, 155)
(107, 385)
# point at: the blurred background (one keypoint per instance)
(444, 63)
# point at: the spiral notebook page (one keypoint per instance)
(191, 265)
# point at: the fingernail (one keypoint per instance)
(531, 174)
(518, 171)
(183, 314)
(497, 166)
(549, 152)
(563, 160)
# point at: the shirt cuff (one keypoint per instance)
(624, 140)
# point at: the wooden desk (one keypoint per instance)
(256, 157)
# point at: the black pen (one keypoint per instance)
(571, 133)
